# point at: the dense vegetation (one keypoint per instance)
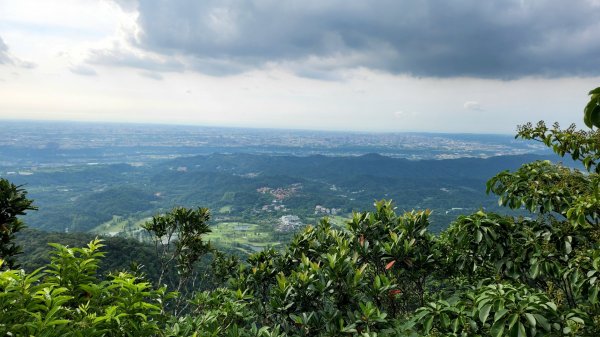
(119, 253)
(83, 198)
(384, 274)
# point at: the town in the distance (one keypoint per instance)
(261, 185)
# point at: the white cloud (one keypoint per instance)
(83, 70)
(125, 56)
(152, 75)
(473, 106)
(405, 114)
(7, 58)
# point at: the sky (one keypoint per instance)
(358, 65)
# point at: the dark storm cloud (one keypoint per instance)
(489, 39)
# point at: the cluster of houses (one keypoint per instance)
(321, 210)
(289, 223)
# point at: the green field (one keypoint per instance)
(242, 236)
(246, 237)
(119, 225)
(225, 209)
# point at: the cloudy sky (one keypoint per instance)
(364, 65)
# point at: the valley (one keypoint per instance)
(109, 181)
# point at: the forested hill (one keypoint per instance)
(256, 189)
(120, 252)
(333, 167)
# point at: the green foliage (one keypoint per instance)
(67, 299)
(384, 274)
(491, 310)
(120, 254)
(92, 195)
(591, 113)
(178, 239)
(330, 282)
(581, 145)
(534, 276)
(13, 203)
(541, 187)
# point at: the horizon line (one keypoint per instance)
(258, 128)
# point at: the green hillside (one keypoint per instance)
(87, 198)
(383, 273)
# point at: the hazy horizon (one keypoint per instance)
(376, 66)
(224, 126)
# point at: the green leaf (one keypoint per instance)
(499, 314)
(512, 320)
(445, 320)
(522, 332)
(58, 322)
(428, 323)
(594, 295)
(595, 116)
(577, 320)
(542, 321)
(484, 312)
(568, 248)
(530, 319)
(534, 270)
(547, 205)
(497, 329)
(587, 116)
(483, 302)
(455, 325)
(478, 236)
(594, 91)
(587, 111)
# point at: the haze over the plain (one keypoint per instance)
(468, 66)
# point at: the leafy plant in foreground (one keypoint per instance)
(13, 203)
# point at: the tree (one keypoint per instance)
(534, 275)
(178, 238)
(13, 203)
(383, 274)
(67, 298)
(591, 113)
